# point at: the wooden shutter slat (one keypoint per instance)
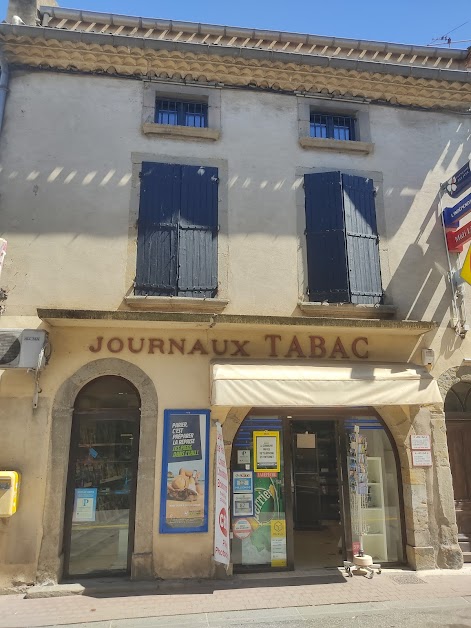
(198, 232)
(325, 236)
(362, 240)
(157, 237)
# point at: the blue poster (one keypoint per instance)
(185, 471)
(85, 505)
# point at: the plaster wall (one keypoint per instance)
(66, 195)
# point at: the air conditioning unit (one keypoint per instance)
(21, 348)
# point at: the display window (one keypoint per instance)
(295, 493)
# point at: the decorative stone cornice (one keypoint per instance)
(233, 70)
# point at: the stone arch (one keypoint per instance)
(452, 376)
(50, 555)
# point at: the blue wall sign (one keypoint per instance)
(452, 215)
(459, 181)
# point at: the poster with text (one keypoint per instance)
(221, 503)
(184, 494)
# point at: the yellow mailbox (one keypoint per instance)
(9, 488)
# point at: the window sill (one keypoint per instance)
(180, 132)
(176, 304)
(342, 146)
(347, 310)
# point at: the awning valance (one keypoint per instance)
(310, 384)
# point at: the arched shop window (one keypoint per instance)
(101, 491)
(291, 483)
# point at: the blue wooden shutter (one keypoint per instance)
(362, 240)
(157, 233)
(198, 226)
(325, 236)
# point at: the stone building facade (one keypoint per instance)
(89, 142)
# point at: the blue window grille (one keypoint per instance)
(181, 113)
(333, 127)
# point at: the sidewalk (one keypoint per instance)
(193, 600)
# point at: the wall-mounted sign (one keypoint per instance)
(266, 446)
(452, 215)
(456, 239)
(242, 504)
(306, 441)
(309, 347)
(421, 458)
(221, 503)
(184, 494)
(465, 273)
(242, 482)
(420, 441)
(85, 505)
(459, 181)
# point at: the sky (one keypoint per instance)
(400, 21)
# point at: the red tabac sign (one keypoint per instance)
(456, 239)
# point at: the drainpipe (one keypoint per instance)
(3, 87)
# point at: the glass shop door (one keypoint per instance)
(101, 492)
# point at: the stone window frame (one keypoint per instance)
(345, 309)
(362, 145)
(213, 305)
(210, 95)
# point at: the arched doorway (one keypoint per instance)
(292, 498)
(458, 424)
(102, 478)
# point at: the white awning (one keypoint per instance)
(310, 384)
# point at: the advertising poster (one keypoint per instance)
(184, 496)
(85, 505)
(221, 523)
(278, 543)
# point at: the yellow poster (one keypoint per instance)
(466, 270)
(278, 542)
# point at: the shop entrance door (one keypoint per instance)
(318, 531)
(459, 446)
(101, 489)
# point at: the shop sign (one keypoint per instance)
(242, 528)
(85, 505)
(452, 215)
(420, 441)
(459, 181)
(421, 458)
(310, 347)
(221, 501)
(242, 482)
(184, 494)
(278, 542)
(266, 446)
(243, 504)
(456, 239)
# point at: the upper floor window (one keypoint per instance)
(329, 126)
(177, 231)
(342, 239)
(181, 113)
